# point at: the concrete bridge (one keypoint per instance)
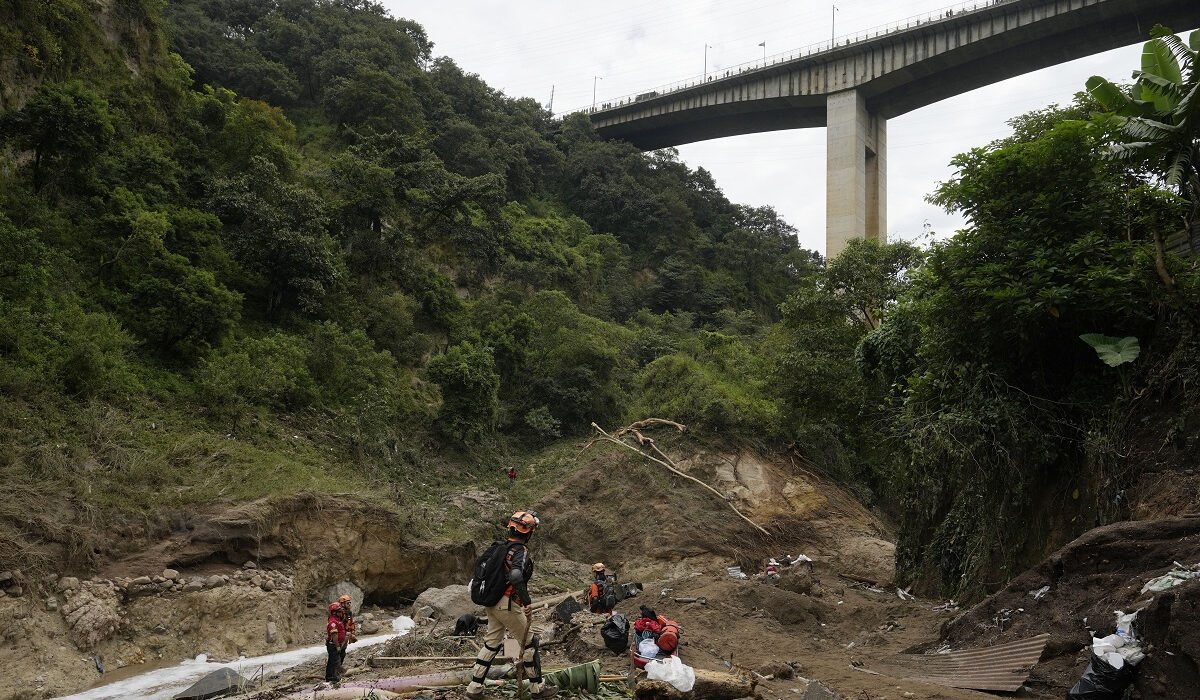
(854, 85)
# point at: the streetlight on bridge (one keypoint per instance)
(595, 79)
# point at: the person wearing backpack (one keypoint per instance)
(501, 585)
(601, 595)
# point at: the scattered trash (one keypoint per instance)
(1004, 667)
(875, 590)
(701, 600)
(736, 572)
(665, 592)
(1113, 660)
(1180, 574)
(1037, 595)
(673, 671)
(950, 606)
(648, 649)
(905, 595)
(943, 649)
(851, 645)
(615, 633)
(800, 558)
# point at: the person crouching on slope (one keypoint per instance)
(335, 635)
(513, 613)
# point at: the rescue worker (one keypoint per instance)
(513, 614)
(596, 593)
(347, 617)
(512, 477)
(335, 635)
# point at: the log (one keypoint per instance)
(552, 600)
(389, 661)
(710, 685)
(859, 579)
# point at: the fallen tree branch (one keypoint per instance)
(666, 461)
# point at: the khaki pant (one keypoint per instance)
(504, 616)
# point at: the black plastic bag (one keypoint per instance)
(1102, 682)
(615, 633)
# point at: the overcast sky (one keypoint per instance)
(527, 46)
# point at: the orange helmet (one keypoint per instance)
(344, 599)
(597, 567)
(334, 607)
(524, 521)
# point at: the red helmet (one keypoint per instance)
(334, 607)
(523, 521)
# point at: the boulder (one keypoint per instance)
(220, 682)
(272, 633)
(250, 565)
(816, 690)
(141, 581)
(215, 581)
(195, 584)
(170, 574)
(92, 613)
(68, 583)
(370, 627)
(448, 603)
(342, 588)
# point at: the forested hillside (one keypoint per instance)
(257, 247)
(302, 253)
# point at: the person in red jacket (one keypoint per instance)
(335, 635)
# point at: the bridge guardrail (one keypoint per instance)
(945, 13)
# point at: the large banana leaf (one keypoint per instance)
(1194, 40)
(1158, 60)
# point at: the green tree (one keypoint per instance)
(1158, 121)
(870, 276)
(470, 387)
(66, 125)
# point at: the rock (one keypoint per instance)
(92, 613)
(273, 633)
(220, 682)
(448, 603)
(193, 585)
(158, 579)
(16, 591)
(342, 588)
(816, 690)
(869, 557)
(5, 577)
(268, 585)
(256, 581)
(423, 613)
(370, 626)
(214, 581)
(250, 565)
(68, 583)
(52, 604)
(778, 669)
(170, 574)
(140, 581)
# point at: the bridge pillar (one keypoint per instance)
(856, 172)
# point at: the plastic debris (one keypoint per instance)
(949, 606)
(905, 595)
(1037, 595)
(736, 572)
(673, 671)
(1180, 574)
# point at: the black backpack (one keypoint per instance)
(607, 598)
(491, 580)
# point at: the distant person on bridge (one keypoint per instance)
(501, 584)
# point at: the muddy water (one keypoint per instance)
(163, 683)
